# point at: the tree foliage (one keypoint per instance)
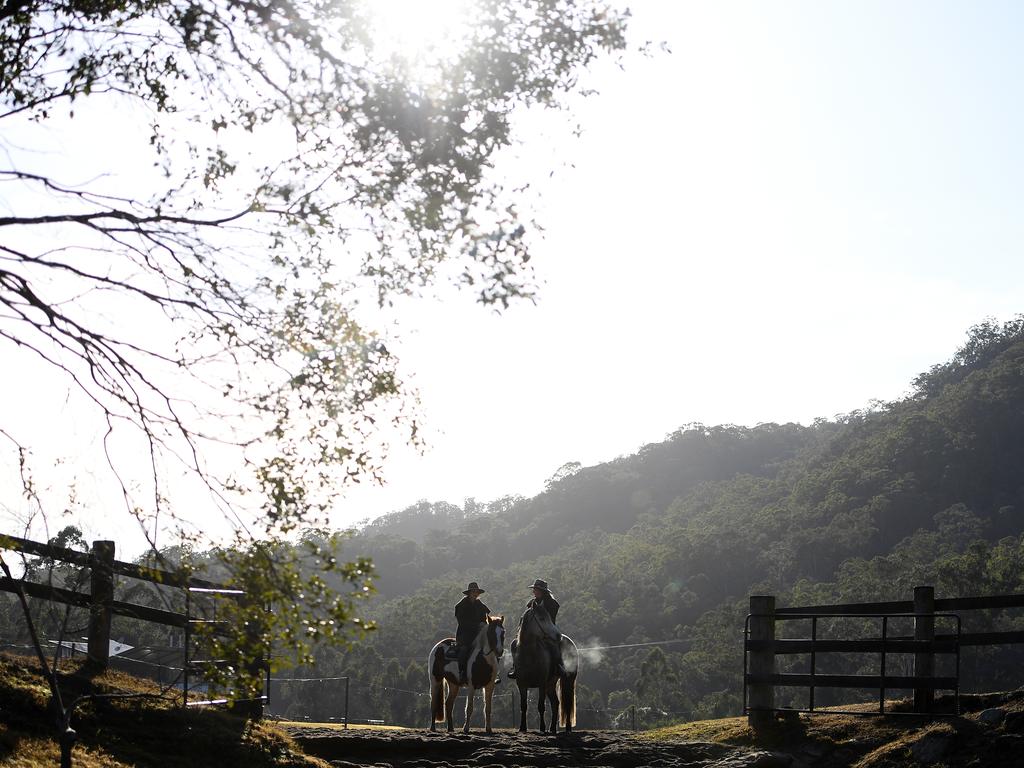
(303, 179)
(219, 307)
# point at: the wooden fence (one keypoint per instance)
(102, 605)
(761, 648)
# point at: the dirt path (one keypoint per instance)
(508, 749)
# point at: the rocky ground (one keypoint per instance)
(989, 733)
(509, 749)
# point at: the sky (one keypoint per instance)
(789, 215)
(792, 214)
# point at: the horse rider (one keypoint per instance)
(542, 596)
(470, 613)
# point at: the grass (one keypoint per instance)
(340, 726)
(873, 741)
(820, 729)
(151, 730)
(729, 730)
(156, 731)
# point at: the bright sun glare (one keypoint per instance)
(413, 29)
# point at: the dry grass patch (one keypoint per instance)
(298, 725)
(150, 729)
(899, 751)
(896, 740)
(730, 730)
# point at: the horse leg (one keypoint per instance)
(488, 693)
(470, 695)
(449, 705)
(553, 699)
(540, 709)
(524, 694)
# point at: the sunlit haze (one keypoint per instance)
(787, 215)
(792, 214)
(413, 28)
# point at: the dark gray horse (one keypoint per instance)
(536, 668)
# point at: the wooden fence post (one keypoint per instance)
(251, 706)
(101, 598)
(761, 696)
(924, 629)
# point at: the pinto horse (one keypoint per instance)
(481, 668)
(536, 667)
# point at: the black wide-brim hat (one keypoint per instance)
(541, 585)
(473, 587)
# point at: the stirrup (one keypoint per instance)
(511, 674)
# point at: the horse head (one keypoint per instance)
(536, 624)
(496, 634)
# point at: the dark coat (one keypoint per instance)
(470, 614)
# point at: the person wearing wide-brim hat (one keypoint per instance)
(542, 596)
(470, 613)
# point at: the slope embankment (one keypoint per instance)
(594, 749)
(989, 733)
(124, 721)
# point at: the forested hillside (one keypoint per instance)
(654, 555)
(666, 545)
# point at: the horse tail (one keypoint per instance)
(567, 699)
(567, 686)
(435, 669)
(437, 697)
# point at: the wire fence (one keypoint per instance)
(355, 696)
(633, 716)
(592, 649)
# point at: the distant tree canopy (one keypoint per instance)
(985, 341)
(216, 307)
(666, 545)
(653, 555)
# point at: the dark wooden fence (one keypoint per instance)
(103, 607)
(761, 648)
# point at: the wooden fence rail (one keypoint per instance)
(761, 647)
(100, 598)
(85, 559)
